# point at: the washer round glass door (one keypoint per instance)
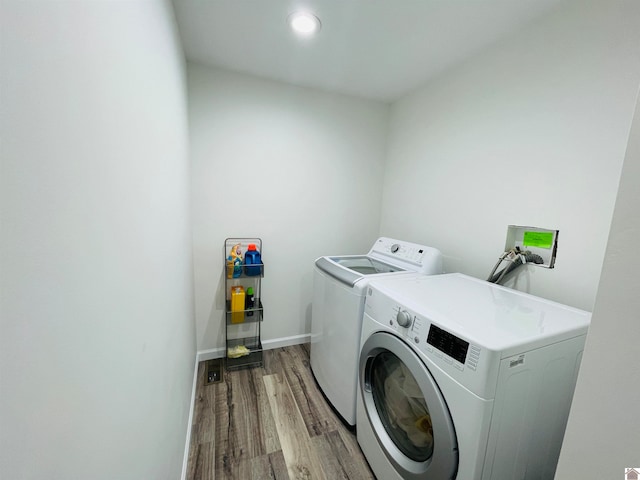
(406, 409)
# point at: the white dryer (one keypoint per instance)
(338, 303)
(460, 378)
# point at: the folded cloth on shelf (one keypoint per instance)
(237, 351)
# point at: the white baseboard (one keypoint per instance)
(286, 341)
(204, 355)
(210, 354)
(185, 460)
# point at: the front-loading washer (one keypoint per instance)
(338, 303)
(463, 379)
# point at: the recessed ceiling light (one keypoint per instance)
(304, 23)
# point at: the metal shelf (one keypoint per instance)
(242, 327)
(254, 358)
(250, 315)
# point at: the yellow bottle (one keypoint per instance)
(237, 304)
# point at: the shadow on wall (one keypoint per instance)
(307, 318)
(220, 297)
(216, 313)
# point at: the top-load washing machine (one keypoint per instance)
(461, 378)
(338, 302)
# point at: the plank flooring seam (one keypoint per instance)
(302, 462)
(241, 431)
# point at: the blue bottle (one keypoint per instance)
(252, 261)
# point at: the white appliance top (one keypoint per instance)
(409, 256)
(482, 313)
(387, 255)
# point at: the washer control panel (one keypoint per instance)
(427, 260)
(404, 318)
(440, 342)
(448, 343)
(436, 342)
(403, 250)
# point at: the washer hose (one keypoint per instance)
(517, 258)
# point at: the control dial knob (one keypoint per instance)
(403, 318)
(394, 248)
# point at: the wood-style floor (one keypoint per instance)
(270, 422)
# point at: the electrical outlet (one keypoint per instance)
(213, 371)
(540, 241)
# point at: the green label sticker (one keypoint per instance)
(538, 239)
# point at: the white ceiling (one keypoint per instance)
(379, 49)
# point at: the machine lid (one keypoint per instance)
(484, 313)
(387, 255)
(366, 265)
(349, 270)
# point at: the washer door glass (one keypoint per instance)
(406, 410)
(402, 407)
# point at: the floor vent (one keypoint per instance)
(213, 371)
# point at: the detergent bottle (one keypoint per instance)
(234, 262)
(237, 304)
(250, 301)
(252, 261)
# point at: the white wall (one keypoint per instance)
(97, 338)
(603, 433)
(530, 132)
(302, 169)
